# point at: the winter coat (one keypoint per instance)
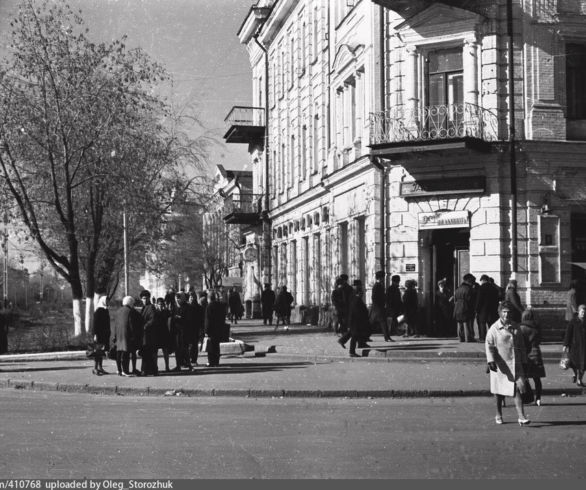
(394, 301)
(575, 341)
(283, 303)
(517, 308)
(378, 310)
(506, 348)
(235, 303)
(358, 324)
(532, 337)
(148, 322)
(215, 319)
(487, 303)
(464, 303)
(127, 329)
(102, 326)
(267, 301)
(571, 305)
(410, 305)
(163, 339)
(197, 319)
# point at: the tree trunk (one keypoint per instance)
(77, 316)
(89, 313)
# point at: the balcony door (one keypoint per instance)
(444, 112)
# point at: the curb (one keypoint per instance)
(259, 393)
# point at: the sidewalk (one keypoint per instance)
(308, 363)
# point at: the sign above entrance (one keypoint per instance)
(444, 219)
(442, 187)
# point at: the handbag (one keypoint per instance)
(527, 395)
(112, 353)
(564, 361)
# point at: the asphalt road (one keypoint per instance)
(62, 435)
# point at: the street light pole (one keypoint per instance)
(5, 249)
(125, 239)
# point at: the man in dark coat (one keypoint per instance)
(149, 338)
(283, 304)
(575, 345)
(181, 326)
(128, 322)
(357, 321)
(267, 301)
(343, 294)
(235, 305)
(337, 303)
(464, 309)
(487, 303)
(215, 318)
(195, 331)
(378, 314)
(394, 303)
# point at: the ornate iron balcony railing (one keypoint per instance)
(246, 116)
(243, 208)
(430, 123)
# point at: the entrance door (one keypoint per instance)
(450, 257)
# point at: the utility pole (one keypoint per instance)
(5, 250)
(125, 238)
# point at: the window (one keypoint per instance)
(343, 251)
(291, 60)
(549, 249)
(303, 151)
(576, 81)
(315, 40)
(291, 173)
(315, 143)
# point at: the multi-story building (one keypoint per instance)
(470, 113)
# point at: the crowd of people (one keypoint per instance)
(177, 324)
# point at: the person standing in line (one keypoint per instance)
(532, 335)
(410, 307)
(149, 360)
(102, 334)
(196, 320)
(203, 300)
(394, 303)
(487, 303)
(162, 334)
(378, 314)
(137, 337)
(126, 324)
(443, 309)
(572, 302)
(575, 345)
(180, 316)
(506, 358)
(235, 305)
(267, 301)
(357, 321)
(464, 309)
(513, 298)
(170, 298)
(215, 318)
(283, 304)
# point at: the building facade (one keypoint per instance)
(424, 138)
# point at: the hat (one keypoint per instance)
(484, 277)
(443, 281)
(469, 277)
(144, 294)
(396, 278)
(344, 277)
(379, 275)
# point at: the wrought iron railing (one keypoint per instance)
(243, 203)
(246, 116)
(429, 123)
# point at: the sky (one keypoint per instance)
(194, 39)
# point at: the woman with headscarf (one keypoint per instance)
(101, 334)
(127, 323)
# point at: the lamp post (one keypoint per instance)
(5, 250)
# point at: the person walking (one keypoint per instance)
(394, 304)
(357, 319)
(575, 345)
(337, 300)
(283, 303)
(215, 318)
(464, 309)
(410, 307)
(267, 301)
(163, 339)
(149, 339)
(235, 305)
(378, 314)
(506, 357)
(102, 334)
(444, 310)
(532, 336)
(126, 324)
(487, 303)
(513, 298)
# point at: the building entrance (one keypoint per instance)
(450, 249)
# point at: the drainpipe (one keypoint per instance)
(383, 170)
(265, 214)
(512, 154)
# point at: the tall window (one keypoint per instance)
(291, 60)
(343, 252)
(549, 251)
(282, 167)
(303, 151)
(316, 143)
(316, 33)
(576, 80)
(292, 165)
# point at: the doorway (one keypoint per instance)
(450, 249)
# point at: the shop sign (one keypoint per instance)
(410, 268)
(441, 187)
(250, 254)
(444, 219)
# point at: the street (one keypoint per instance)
(61, 435)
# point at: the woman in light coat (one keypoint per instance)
(506, 357)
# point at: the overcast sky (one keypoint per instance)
(194, 39)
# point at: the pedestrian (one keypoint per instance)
(137, 338)
(162, 333)
(235, 306)
(203, 300)
(170, 298)
(575, 345)
(102, 332)
(267, 301)
(410, 307)
(506, 356)
(394, 304)
(572, 302)
(283, 303)
(215, 318)
(357, 321)
(337, 306)
(196, 326)
(513, 298)
(487, 303)
(444, 310)
(149, 339)
(378, 314)
(180, 328)
(126, 325)
(464, 308)
(532, 337)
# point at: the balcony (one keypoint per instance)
(247, 125)
(243, 209)
(433, 127)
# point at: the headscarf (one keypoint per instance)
(128, 301)
(102, 302)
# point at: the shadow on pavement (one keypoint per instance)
(542, 423)
(38, 369)
(237, 368)
(390, 348)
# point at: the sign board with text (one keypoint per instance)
(444, 219)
